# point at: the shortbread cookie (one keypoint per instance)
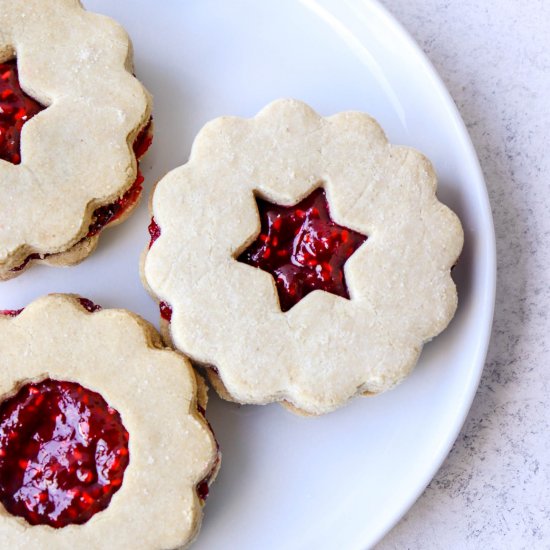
(302, 259)
(73, 123)
(103, 440)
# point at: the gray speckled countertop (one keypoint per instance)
(493, 490)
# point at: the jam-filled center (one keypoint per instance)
(63, 452)
(303, 248)
(16, 108)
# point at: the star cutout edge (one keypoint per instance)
(302, 248)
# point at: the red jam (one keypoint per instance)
(10, 312)
(165, 311)
(203, 487)
(154, 232)
(111, 212)
(16, 108)
(29, 258)
(143, 140)
(302, 248)
(63, 452)
(84, 302)
(89, 305)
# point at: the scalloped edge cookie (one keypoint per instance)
(77, 154)
(326, 349)
(154, 389)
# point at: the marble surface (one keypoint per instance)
(493, 490)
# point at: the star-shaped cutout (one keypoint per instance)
(302, 248)
(16, 108)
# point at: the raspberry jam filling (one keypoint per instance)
(165, 311)
(143, 140)
(164, 308)
(89, 305)
(109, 213)
(16, 108)
(302, 248)
(154, 232)
(84, 302)
(10, 312)
(63, 452)
(203, 487)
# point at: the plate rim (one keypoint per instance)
(366, 539)
(490, 274)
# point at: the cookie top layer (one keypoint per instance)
(325, 349)
(77, 153)
(118, 355)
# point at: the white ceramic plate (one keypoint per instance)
(343, 480)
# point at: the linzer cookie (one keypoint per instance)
(103, 440)
(302, 259)
(73, 123)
